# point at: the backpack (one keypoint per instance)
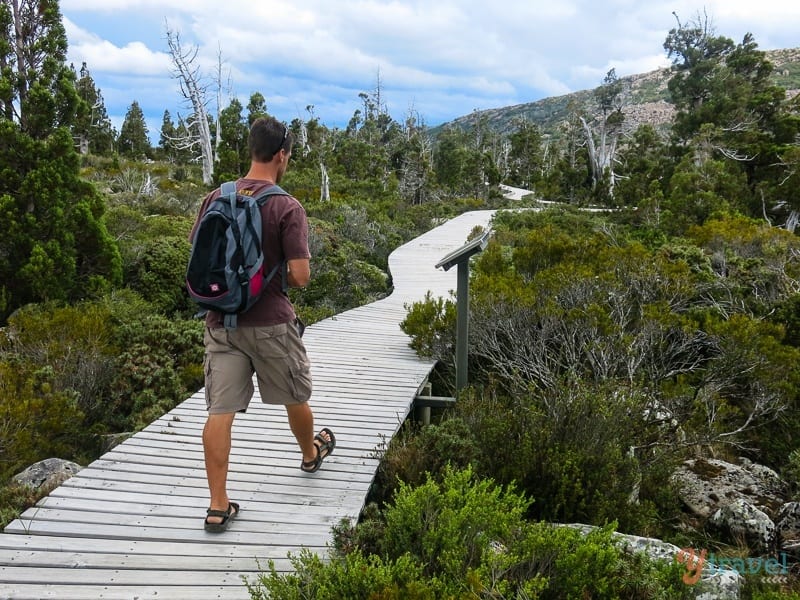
(226, 264)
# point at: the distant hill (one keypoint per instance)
(648, 101)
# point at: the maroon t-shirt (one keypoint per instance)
(285, 238)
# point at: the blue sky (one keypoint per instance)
(440, 59)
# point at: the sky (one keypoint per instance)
(436, 59)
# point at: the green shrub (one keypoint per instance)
(14, 500)
(353, 576)
(160, 365)
(158, 273)
(467, 538)
(431, 325)
(37, 419)
(75, 342)
(416, 453)
(447, 526)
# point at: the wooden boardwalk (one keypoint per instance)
(129, 525)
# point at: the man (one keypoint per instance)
(266, 340)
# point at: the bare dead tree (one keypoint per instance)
(227, 86)
(325, 185)
(601, 141)
(194, 92)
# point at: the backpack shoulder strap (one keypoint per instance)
(261, 199)
(228, 188)
(273, 190)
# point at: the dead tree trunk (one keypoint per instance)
(194, 92)
(324, 188)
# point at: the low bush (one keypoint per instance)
(468, 538)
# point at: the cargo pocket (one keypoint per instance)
(271, 342)
(300, 373)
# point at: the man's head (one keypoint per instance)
(268, 137)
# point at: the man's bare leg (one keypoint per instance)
(301, 422)
(217, 449)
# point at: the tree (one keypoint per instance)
(93, 128)
(232, 150)
(698, 59)
(450, 158)
(729, 110)
(601, 142)
(167, 136)
(133, 135)
(462, 161)
(725, 84)
(256, 107)
(194, 92)
(525, 155)
(38, 91)
(53, 241)
(641, 166)
(413, 160)
(568, 179)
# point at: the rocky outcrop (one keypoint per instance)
(746, 504)
(706, 485)
(47, 474)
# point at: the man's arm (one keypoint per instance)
(298, 272)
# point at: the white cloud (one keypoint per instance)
(132, 59)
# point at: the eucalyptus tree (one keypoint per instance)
(53, 240)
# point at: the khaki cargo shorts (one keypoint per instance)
(276, 355)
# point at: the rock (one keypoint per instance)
(770, 487)
(47, 474)
(740, 521)
(705, 485)
(787, 524)
(720, 584)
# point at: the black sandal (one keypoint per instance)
(324, 449)
(227, 516)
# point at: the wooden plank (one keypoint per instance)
(40, 591)
(138, 547)
(80, 515)
(142, 562)
(303, 487)
(434, 401)
(138, 502)
(243, 496)
(235, 534)
(114, 577)
(141, 507)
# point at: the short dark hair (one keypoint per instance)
(268, 136)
